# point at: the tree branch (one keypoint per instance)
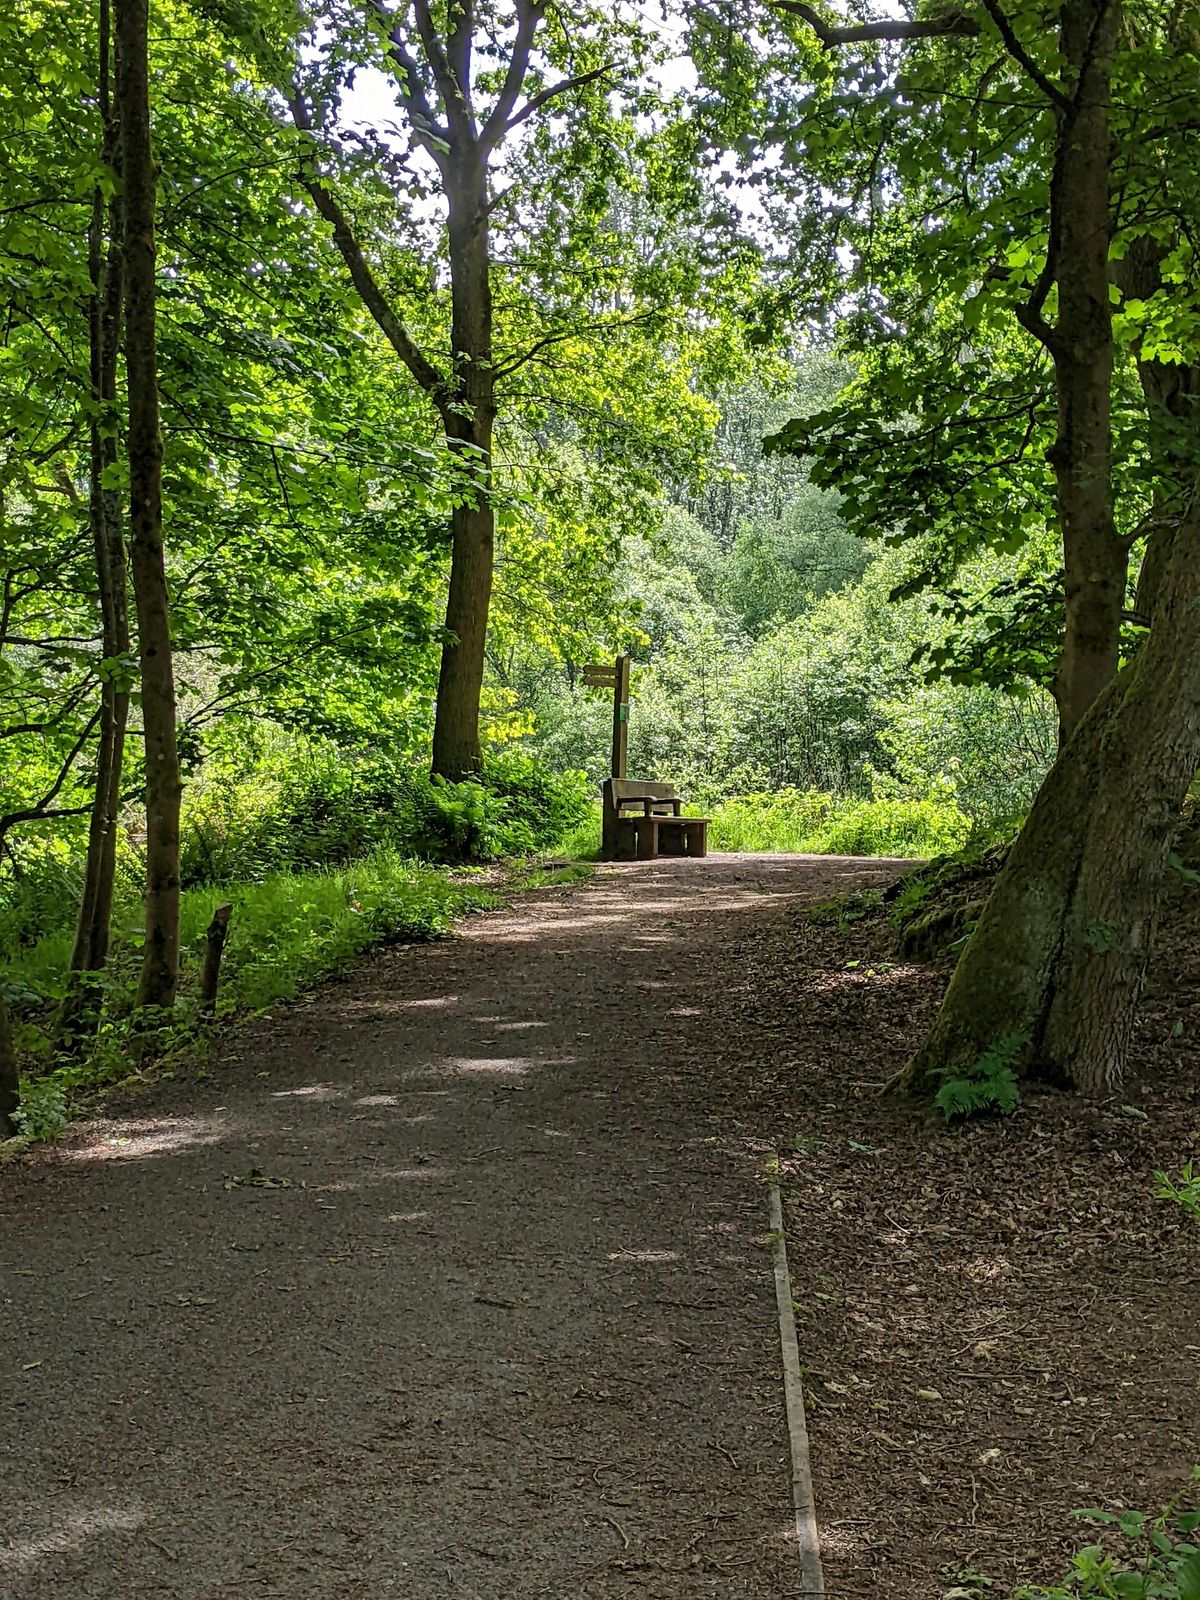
(529, 14)
(452, 91)
(461, 20)
(1021, 56)
(415, 102)
(956, 24)
(507, 367)
(41, 808)
(539, 100)
(390, 325)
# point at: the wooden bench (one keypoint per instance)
(643, 820)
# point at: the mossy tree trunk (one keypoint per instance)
(1059, 955)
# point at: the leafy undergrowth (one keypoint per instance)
(1136, 1557)
(808, 822)
(287, 933)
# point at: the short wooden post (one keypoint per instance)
(218, 932)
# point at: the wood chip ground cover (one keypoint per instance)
(1000, 1321)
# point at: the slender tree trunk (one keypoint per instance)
(90, 953)
(10, 1097)
(1095, 561)
(1059, 956)
(160, 958)
(470, 422)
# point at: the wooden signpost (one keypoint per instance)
(599, 675)
(642, 817)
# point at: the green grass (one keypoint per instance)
(555, 875)
(810, 823)
(287, 933)
(806, 822)
(582, 843)
(292, 930)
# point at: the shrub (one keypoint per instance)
(895, 828)
(305, 805)
(514, 808)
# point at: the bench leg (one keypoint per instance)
(647, 838)
(672, 839)
(625, 840)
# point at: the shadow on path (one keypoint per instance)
(445, 1284)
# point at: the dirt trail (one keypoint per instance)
(448, 1282)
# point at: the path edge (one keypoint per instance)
(807, 1537)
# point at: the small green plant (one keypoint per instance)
(1158, 1559)
(43, 1110)
(989, 1086)
(1185, 1189)
(965, 1584)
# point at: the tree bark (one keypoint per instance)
(470, 422)
(160, 956)
(1058, 958)
(10, 1096)
(1095, 561)
(90, 952)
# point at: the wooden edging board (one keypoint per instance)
(807, 1539)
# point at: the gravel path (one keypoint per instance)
(448, 1283)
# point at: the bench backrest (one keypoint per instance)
(621, 790)
(631, 792)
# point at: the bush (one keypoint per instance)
(306, 805)
(779, 819)
(551, 804)
(268, 802)
(895, 828)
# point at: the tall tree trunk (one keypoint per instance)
(160, 956)
(1059, 956)
(90, 952)
(1095, 561)
(470, 422)
(10, 1097)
